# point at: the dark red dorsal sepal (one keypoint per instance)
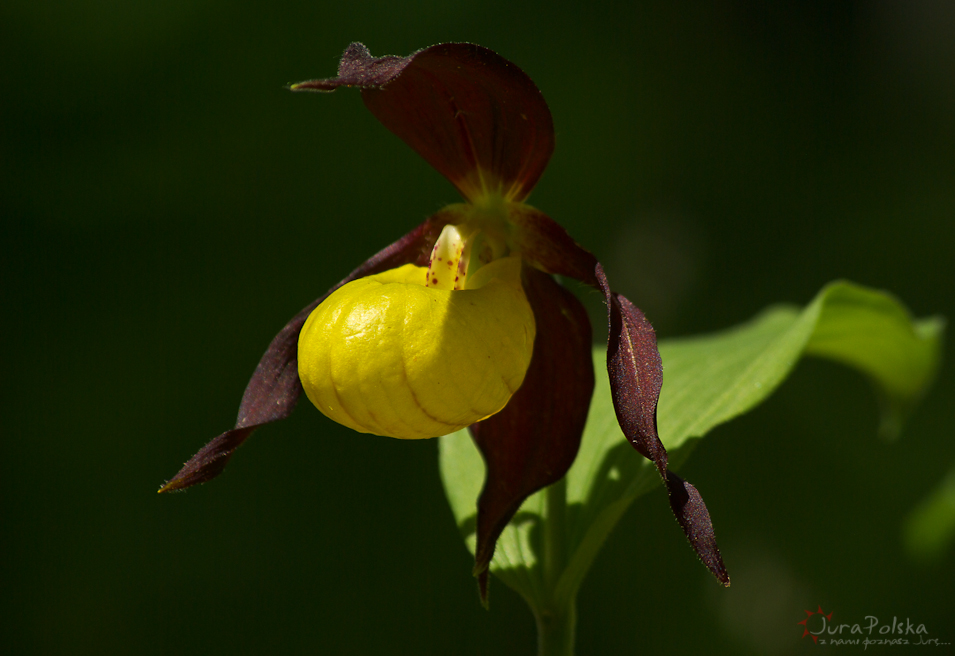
(474, 116)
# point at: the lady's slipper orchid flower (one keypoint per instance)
(460, 322)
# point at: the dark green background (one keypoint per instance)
(167, 206)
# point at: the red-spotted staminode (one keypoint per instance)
(460, 322)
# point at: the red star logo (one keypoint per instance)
(805, 623)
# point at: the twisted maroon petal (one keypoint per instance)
(534, 440)
(636, 374)
(274, 388)
(474, 116)
(634, 367)
(694, 518)
(636, 377)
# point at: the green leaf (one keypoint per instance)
(707, 381)
(929, 530)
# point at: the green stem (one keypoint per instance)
(556, 618)
(555, 538)
(555, 630)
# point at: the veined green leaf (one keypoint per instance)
(707, 381)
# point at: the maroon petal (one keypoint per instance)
(634, 366)
(546, 244)
(534, 440)
(474, 116)
(636, 376)
(694, 518)
(274, 388)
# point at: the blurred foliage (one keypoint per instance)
(930, 528)
(166, 206)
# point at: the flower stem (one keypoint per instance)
(555, 630)
(556, 618)
(554, 532)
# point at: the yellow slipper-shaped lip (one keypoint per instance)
(387, 355)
